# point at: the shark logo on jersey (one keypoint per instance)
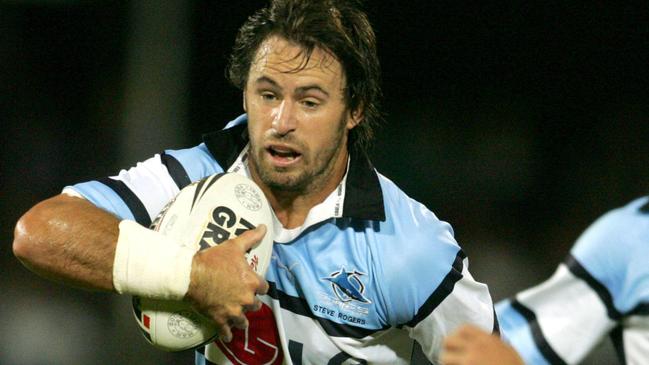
(347, 285)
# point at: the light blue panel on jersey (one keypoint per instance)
(330, 269)
(416, 252)
(362, 273)
(516, 331)
(104, 197)
(614, 250)
(196, 161)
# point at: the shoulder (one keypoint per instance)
(417, 250)
(398, 202)
(411, 222)
(141, 191)
(196, 162)
(621, 231)
(614, 249)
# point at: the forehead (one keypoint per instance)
(278, 56)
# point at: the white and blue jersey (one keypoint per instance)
(601, 289)
(371, 277)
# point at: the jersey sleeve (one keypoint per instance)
(428, 288)
(140, 192)
(459, 299)
(603, 283)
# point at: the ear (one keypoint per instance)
(355, 118)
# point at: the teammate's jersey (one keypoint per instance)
(371, 277)
(601, 289)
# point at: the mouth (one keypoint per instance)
(283, 155)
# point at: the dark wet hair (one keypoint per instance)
(337, 26)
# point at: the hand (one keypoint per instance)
(469, 345)
(223, 286)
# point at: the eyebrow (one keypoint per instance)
(267, 79)
(299, 90)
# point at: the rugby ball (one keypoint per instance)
(202, 215)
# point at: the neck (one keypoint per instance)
(292, 207)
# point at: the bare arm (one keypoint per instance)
(68, 239)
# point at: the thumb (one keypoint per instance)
(250, 238)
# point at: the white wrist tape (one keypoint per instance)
(149, 264)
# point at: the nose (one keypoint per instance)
(284, 118)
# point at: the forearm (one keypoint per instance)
(68, 239)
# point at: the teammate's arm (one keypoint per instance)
(470, 345)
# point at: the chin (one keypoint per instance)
(283, 182)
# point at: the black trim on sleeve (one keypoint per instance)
(579, 271)
(537, 334)
(130, 199)
(176, 170)
(641, 309)
(444, 289)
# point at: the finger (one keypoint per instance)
(449, 358)
(263, 286)
(255, 306)
(467, 332)
(454, 343)
(225, 333)
(250, 238)
(240, 322)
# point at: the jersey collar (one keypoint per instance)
(363, 196)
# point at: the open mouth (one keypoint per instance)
(283, 154)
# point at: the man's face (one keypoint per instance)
(297, 117)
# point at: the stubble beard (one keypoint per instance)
(311, 178)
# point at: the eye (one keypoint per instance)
(310, 103)
(268, 96)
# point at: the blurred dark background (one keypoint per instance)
(517, 123)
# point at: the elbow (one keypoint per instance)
(23, 244)
(28, 243)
